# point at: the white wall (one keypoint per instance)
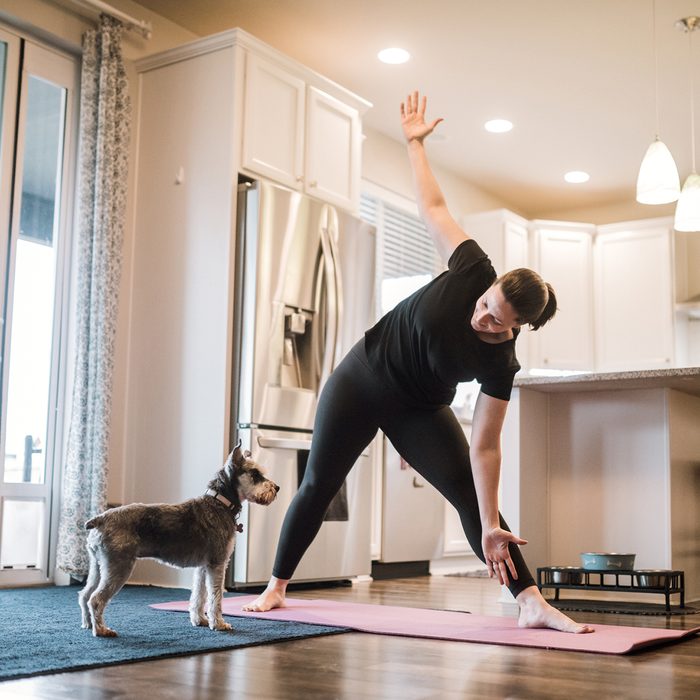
(385, 163)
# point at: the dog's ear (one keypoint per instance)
(238, 457)
(233, 458)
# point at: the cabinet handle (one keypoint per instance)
(545, 360)
(300, 178)
(313, 183)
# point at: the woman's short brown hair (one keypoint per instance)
(532, 298)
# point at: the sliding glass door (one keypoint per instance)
(38, 97)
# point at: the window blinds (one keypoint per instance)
(406, 249)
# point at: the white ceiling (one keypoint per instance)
(575, 76)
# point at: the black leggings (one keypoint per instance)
(353, 405)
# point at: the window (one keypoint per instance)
(37, 91)
(406, 259)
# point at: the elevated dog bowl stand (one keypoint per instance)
(627, 581)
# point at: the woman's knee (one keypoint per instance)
(316, 491)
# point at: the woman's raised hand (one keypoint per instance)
(413, 121)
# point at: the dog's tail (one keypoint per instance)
(94, 522)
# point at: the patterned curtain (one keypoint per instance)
(105, 116)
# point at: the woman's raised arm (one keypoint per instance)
(431, 203)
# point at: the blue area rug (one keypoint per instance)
(41, 633)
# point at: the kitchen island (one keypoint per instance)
(606, 463)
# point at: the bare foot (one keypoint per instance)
(272, 597)
(535, 611)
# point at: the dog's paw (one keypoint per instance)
(201, 621)
(104, 632)
(221, 626)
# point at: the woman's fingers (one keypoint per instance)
(502, 572)
(412, 101)
(511, 568)
(501, 568)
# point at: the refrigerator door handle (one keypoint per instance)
(332, 307)
(284, 443)
(337, 309)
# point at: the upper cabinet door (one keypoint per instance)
(634, 297)
(273, 130)
(564, 260)
(332, 150)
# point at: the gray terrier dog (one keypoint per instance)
(199, 532)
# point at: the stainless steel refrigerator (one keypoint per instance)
(304, 295)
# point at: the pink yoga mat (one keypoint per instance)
(455, 626)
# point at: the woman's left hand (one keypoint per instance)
(495, 545)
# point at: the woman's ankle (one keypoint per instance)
(278, 585)
(529, 595)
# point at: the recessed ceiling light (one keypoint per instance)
(498, 126)
(393, 56)
(577, 176)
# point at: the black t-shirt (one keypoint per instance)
(425, 345)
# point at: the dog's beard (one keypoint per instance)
(264, 497)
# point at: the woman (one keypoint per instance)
(401, 378)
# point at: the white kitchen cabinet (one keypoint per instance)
(333, 142)
(563, 257)
(299, 135)
(273, 122)
(634, 296)
(686, 253)
(504, 237)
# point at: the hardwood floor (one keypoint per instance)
(358, 665)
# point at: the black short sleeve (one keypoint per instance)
(499, 387)
(465, 256)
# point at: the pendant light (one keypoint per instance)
(657, 182)
(688, 207)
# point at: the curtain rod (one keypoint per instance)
(137, 25)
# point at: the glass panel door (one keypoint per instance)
(33, 311)
(9, 83)
(33, 295)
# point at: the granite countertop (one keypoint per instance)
(685, 379)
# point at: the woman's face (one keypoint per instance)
(492, 313)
